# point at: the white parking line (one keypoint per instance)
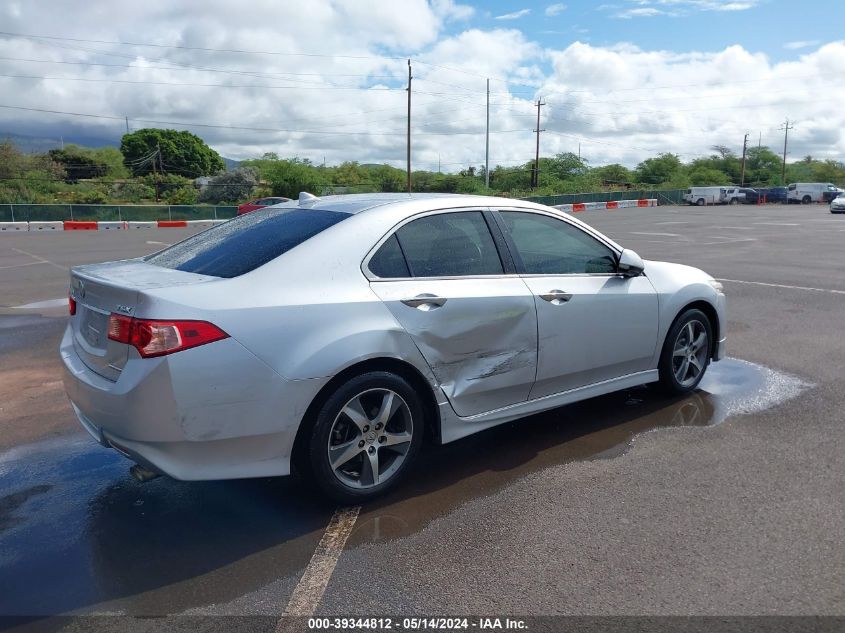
(673, 222)
(49, 303)
(159, 243)
(762, 283)
(778, 223)
(22, 265)
(657, 234)
(40, 260)
(735, 228)
(309, 591)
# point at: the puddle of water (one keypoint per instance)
(599, 428)
(76, 533)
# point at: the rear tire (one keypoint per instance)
(734, 200)
(686, 355)
(365, 436)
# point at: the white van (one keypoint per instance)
(807, 192)
(713, 195)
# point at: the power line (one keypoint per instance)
(247, 128)
(183, 84)
(193, 48)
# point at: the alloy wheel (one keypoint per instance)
(370, 438)
(689, 355)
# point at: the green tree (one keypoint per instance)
(658, 170)
(180, 152)
(564, 166)
(78, 165)
(703, 176)
(762, 167)
(230, 186)
(614, 174)
(290, 177)
(829, 171)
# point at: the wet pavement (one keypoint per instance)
(728, 501)
(77, 534)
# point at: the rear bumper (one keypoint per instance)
(212, 412)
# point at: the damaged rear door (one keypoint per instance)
(445, 280)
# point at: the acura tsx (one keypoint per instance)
(331, 334)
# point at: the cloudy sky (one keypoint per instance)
(325, 79)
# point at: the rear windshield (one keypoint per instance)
(246, 242)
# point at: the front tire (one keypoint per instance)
(365, 436)
(700, 202)
(806, 200)
(686, 352)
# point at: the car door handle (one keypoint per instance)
(425, 301)
(556, 297)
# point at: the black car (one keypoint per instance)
(773, 194)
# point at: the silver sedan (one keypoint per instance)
(333, 334)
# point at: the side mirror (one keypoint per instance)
(630, 264)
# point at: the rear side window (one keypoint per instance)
(450, 245)
(246, 242)
(445, 245)
(389, 262)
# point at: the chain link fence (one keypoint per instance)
(663, 196)
(112, 212)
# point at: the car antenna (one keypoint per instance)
(306, 198)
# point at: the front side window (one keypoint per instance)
(444, 245)
(548, 246)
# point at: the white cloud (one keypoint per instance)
(625, 103)
(338, 91)
(449, 10)
(801, 44)
(676, 8)
(555, 9)
(513, 16)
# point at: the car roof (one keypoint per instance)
(415, 202)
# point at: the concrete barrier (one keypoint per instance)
(14, 226)
(141, 225)
(172, 224)
(612, 204)
(46, 226)
(110, 226)
(76, 225)
(203, 223)
(578, 207)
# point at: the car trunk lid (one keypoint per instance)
(116, 287)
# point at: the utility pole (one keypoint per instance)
(409, 125)
(487, 141)
(759, 141)
(155, 175)
(535, 177)
(786, 127)
(742, 170)
(127, 124)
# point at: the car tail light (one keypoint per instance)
(71, 305)
(157, 338)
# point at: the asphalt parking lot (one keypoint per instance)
(728, 502)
